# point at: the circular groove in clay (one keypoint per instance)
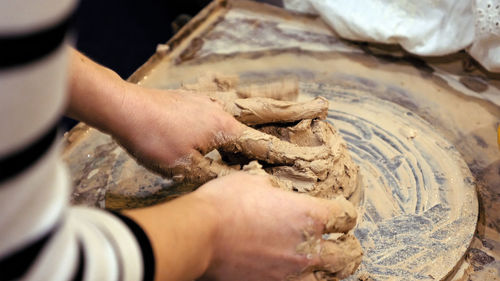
(420, 207)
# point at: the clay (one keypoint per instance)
(255, 111)
(330, 175)
(300, 151)
(286, 89)
(255, 168)
(214, 82)
(292, 140)
(309, 157)
(344, 221)
(261, 146)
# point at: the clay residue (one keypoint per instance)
(340, 255)
(311, 157)
(475, 84)
(326, 176)
(254, 111)
(214, 82)
(285, 89)
(343, 221)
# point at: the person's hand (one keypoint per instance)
(240, 227)
(262, 231)
(160, 127)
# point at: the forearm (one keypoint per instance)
(182, 237)
(96, 93)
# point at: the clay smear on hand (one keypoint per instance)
(338, 251)
(339, 255)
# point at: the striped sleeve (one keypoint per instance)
(41, 236)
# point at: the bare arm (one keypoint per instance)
(150, 123)
(95, 92)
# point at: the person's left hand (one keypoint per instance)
(162, 127)
(158, 127)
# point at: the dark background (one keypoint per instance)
(123, 34)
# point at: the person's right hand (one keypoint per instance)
(240, 227)
(259, 229)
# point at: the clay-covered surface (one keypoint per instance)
(420, 206)
(451, 94)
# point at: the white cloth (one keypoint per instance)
(486, 45)
(425, 27)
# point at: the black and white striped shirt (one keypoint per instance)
(41, 236)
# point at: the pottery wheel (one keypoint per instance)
(419, 210)
(420, 206)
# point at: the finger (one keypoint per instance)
(196, 169)
(336, 257)
(254, 111)
(334, 215)
(341, 254)
(257, 145)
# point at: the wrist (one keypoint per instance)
(116, 110)
(208, 212)
(182, 234)
(95, 92)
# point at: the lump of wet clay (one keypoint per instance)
(330, 175)
(292, 140)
